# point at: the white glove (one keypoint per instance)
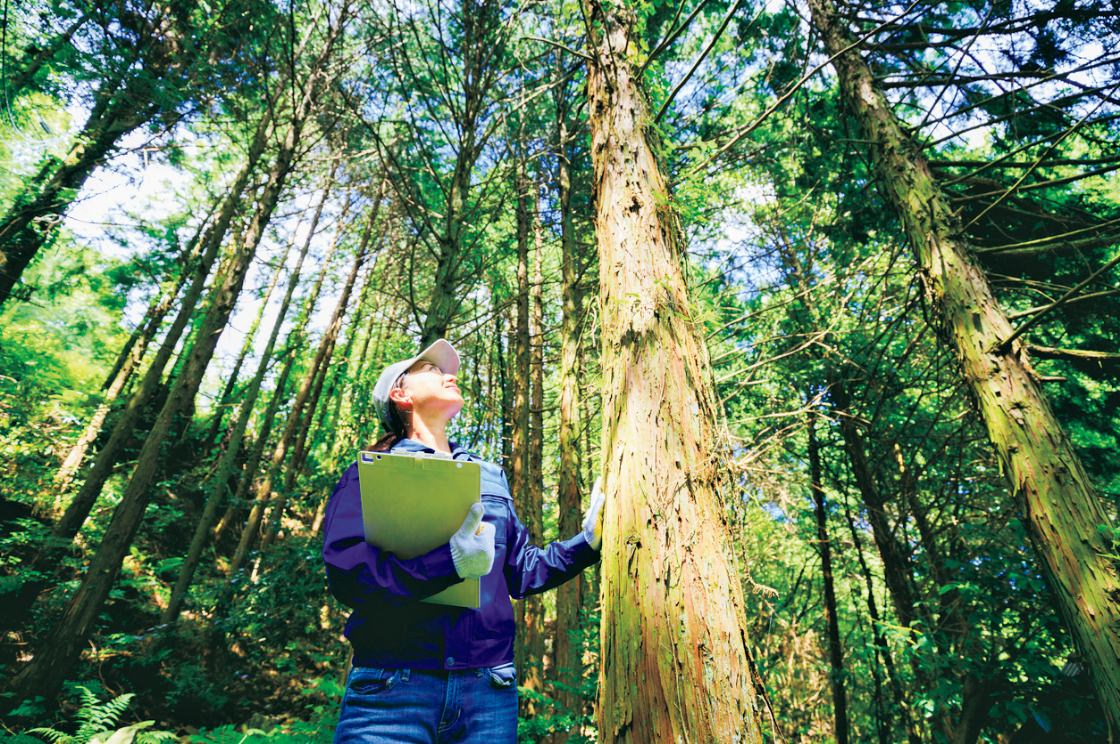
(593, 519)
(472, 545)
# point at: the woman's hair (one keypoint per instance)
(397, 429)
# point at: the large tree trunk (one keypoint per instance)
(1044, 471)
(824, 547)
(674, 647)
(59, 650)
(567, 655)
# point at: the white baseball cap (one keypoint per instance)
(440, 353)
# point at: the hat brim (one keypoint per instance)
(442, 354)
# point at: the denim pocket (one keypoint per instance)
(503, 675)
(370, 680)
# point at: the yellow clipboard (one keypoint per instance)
(412, 503)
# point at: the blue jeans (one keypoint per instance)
(406, 706)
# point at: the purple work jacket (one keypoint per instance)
(389, 627)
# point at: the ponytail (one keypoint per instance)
(385, 443)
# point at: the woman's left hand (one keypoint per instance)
(593, 519)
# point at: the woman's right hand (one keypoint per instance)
(472, 545)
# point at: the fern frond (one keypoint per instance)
(96, 717)
(51, 735)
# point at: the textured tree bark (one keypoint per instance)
(835, 651)
(568, 656)
(54, 658)
(1045, 473)
(675, 663)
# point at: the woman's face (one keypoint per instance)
(428, 391)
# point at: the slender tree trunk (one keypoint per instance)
(57, 654)
(533, 514)
(882, 648)
(896, 559)
(445, 299)
(303, 441)
(675, 663)
(297, 417)
(71, 521)
(897, 572)
(529, 640)
(331, 427)
(507, 386)
(36, 212)
(24, 76)
(893, 556)
(568, 655)
(245, 475)
(294, 344)
(1045, 472)
(955, 634)
(219, 482)
(366, 420)
(127, 362)
(246, 347)
(835, 652)
(79, 508)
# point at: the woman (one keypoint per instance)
(427, 672)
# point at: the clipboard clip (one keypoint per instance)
(370, 457)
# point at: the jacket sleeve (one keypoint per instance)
(359, 573)
(531, 570)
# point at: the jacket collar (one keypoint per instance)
(412, 445)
